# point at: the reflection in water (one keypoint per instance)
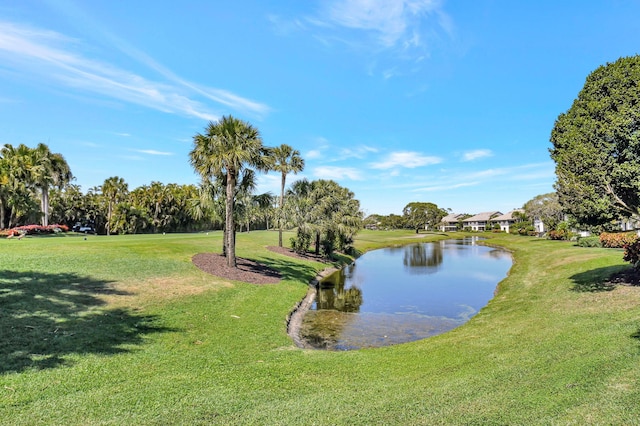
(423, 258)
(333, 295)
(412, 292)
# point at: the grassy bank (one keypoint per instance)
(124, 330)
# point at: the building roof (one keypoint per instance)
(508, 215)
(483, 217)
(452, 217)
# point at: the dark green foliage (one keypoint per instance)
(418, 215)
(301, 242)
(593, 241)
(596, 146)
(523, 228)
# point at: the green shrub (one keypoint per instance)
(593, 241)
(617, 239)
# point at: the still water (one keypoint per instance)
(401, 294)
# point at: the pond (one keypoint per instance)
(401, 294)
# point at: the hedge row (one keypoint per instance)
(617, 239)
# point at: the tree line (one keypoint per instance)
(36, 186)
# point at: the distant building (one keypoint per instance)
(481, 221)
(507, 219)
(449, 223)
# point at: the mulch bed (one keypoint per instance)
(247, 271)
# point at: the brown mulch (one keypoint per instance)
(247, 271)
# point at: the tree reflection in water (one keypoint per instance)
(423, 258)
(332, 294)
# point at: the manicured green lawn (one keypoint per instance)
(125, 330)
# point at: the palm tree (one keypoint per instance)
(50, 169)
(227, 148)
(17, 181)
(4, 188)
(286, 160)
(264, 203)
(324, 210)
(113, 188)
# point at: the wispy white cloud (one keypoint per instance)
(313, 154)
(90, 144)
(320, 144)
(132, 157)
(434, 188)
(331, 172)
(152, 152)
(54, 58)
(456, 178)
(124, 135)
(476, 154)
(394, 22)
(406, 159)
(388, 33)
(357, 152)
(285, 26)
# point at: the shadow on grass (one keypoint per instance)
(46, 317)
(597, 280)
(289, 270)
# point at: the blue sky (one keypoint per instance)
(450, 102)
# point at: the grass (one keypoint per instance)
(124, 330)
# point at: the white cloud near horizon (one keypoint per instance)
(406, 159)
(152, 152)
(435, 188)
(458, 178)
(52, 57)
(476, 154)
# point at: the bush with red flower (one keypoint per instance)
(33, 230)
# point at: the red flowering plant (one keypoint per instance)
(632, 253)
(617, 239)
(33, 230)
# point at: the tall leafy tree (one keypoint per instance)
(113, 189)
(18, 167)
(324, 211)
(49, 170)
(546, 208)
(285, 160)
(596, 146)
(420, 215)
(228, 147)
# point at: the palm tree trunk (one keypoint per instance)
(231, 227)
(44, 205)
(284, 178)
(224, 240)
(2, 213)
(109, 219)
